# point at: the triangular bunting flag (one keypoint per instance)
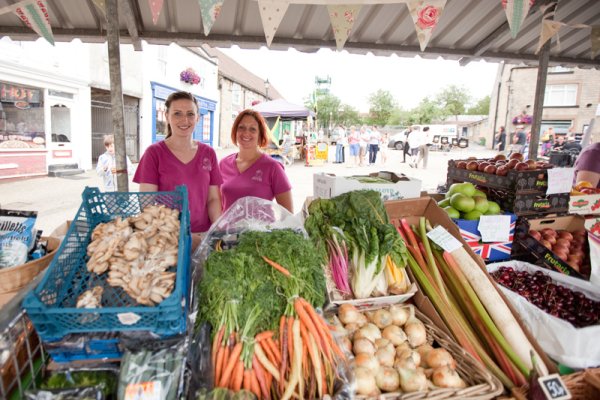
(549, 29)
(595, 38)
(271, 14)
(156, 8)
(101, 5)
(342, 18)
(35, 16)
(425, 15)
(210, 10)
(516, 12)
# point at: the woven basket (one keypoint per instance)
(583, 385)
(480, 383)
(14, 278)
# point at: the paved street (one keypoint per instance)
(57, 199)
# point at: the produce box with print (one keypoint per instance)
(390, 185)
(524, 204)
(585, 199)
(489, 251)
(513, 175)
(556, 243)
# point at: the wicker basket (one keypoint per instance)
(14, 279)
(583, 385)
(481, 383)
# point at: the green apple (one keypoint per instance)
(472, 215)
(462, 203)
(452, 212)
(479, 193)
(493, 208)
(444, 203)
(481, 204)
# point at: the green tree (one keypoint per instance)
(452, 100)
(426, 112)
(327, 107)
(381, 106)
(481, 107)
(347, 116)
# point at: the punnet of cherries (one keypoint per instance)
(557, 300)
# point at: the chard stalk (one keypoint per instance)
(430, 260)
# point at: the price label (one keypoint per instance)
(444, 239)
(560, 180)
(144, 391)
(554, 388)
(494, 228)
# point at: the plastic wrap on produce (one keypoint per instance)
(594, 242)
(150, 374)
(86, 393)
(563, 342)
(199, 361)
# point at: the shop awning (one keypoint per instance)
(282, 108)
(467, 29)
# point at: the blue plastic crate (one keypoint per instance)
(90, 348)
(493, 251)
(51, 306)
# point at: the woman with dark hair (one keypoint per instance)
(250, 172)
(180, 160)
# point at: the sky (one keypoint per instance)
(354, 76)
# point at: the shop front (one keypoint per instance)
(204, 131)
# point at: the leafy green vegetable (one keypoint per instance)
(105, 380)
(240, 274)
(359, 217)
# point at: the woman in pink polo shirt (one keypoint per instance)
(250, 172)
(180, 160)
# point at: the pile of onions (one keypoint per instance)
(392, 353)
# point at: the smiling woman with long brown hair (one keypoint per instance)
(250, 172)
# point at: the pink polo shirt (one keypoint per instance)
(159, 166)
(265, 179)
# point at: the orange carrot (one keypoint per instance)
(260, 377)
(325, 329)
(315, 330)
(254, 385)
(216, 344)
(304, 358)
(290, 323)
(238, 376)
(247, 380)
(278, 267)
(263, 335)
(219, 365)
(231, 362)
(284, 354)
(274, 350)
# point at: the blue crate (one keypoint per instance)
(51, 306)
(92, 348)
(494, 251)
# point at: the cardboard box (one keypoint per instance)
(523, 204)
(527, 248)
(399, 187)
(587, 204)
(412, 210)
(489, 251)
(528, 181)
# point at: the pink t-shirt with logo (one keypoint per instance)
(159, 166)
(265, 179)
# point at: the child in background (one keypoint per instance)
(106, 167)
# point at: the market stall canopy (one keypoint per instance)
(463, 30)
(283, 109)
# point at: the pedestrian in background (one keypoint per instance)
(385, 138)
(107, 166)
(406, 147)
(415, 140)
(374, 139)
(424, 147)
(501, 139)
(339, 145)
(364, 142)
(354, 144)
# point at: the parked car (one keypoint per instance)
(443, 137)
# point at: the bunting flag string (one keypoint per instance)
(425, 15)
(516, 12)
(271, 14)
(210, 10)
(342, 19)
(155, 8)
(34, 14)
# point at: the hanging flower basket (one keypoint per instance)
(190, 76)
(522, 119)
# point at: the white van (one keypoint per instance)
(443, 137)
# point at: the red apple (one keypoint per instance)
(511, 164)
(517, 156)
(481, 166)
(565, 235)
(461, 165)
(521, 166)
(535, 234)
(549, 238)
(499, 157)
(548, 231)
(502, 170)
(490, 169)
(472, 165)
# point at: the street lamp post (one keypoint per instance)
(267, 86)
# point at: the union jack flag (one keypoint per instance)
(484, 250)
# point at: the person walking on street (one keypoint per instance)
(339, 145)
(374, 139)
(424, 148)
(385, 138)
(501, 139)
(519, 140)
(354, 144)
(364, 142)
(406, 147)
(415, 140)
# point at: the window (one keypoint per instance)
(21, 117)
(161, 120)
(236, 94)
(560, 95)
(60, 117)
(560, 70)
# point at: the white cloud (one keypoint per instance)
(354, 77)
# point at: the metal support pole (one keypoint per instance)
(540, 87)
(116, 94)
